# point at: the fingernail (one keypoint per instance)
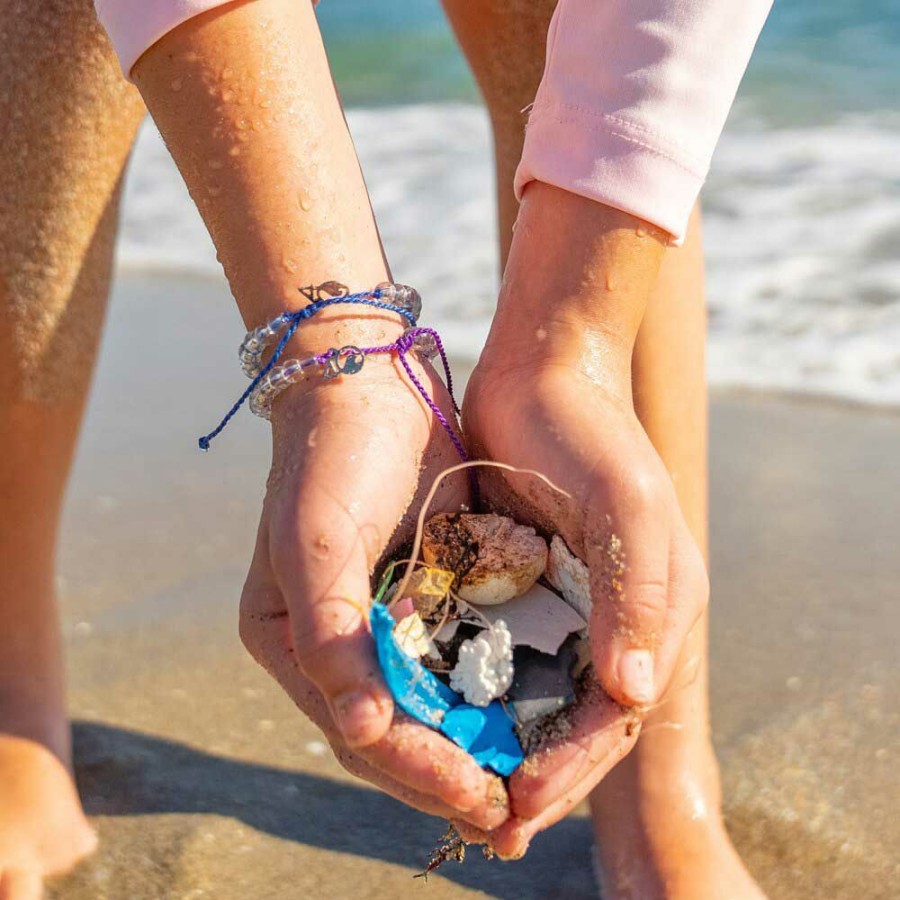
(636, 676)
(354, 714)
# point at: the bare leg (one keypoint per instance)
(657, 815)
(69, 120)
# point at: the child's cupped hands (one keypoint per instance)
(352, 460)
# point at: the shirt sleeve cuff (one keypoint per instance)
(604, 159)
(134, 26)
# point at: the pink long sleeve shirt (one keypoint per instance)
(631, 105)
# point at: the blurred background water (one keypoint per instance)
(802, 205)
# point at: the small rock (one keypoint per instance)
(493, 557)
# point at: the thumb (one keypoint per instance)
(628, 560)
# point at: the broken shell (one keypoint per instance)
(494, 558)
(570, 576)
(484, 669)
(412, 637)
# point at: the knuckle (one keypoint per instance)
(648, 598)
(644, 492)
(315, 637)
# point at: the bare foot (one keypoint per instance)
(43, 830)
(659, 829)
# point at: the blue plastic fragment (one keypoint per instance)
(486, 733)
(416, 691)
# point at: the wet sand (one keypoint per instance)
(203, 780)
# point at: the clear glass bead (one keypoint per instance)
(425, 344)
(401, 295)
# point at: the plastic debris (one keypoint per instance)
(484, 668)
(539, 618)
(427, 588)
(543, 683)
(487, 733)
(416, 691)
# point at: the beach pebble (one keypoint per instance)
(484, 668)
(494, 558)
(569, 575)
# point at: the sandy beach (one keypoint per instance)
(204, 781)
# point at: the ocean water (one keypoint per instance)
(802, 207)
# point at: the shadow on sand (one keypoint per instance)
(122, 772)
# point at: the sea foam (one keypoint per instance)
(802, 228)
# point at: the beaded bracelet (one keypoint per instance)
(269, 380)
(399, 298)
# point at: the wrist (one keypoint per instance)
(577, 282)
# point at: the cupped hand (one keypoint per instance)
(351, 458)
(575, 423)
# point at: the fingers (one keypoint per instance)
(322, 557)
(628, 558)
(599, 734)
(428, 763)
(411, 762)
(21, 884)
(558, 778)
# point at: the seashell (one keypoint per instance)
(570, 576)
(412, 637)
(494, 558)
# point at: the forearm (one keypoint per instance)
(576, 285)
(244, 99)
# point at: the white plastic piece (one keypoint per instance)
(412, 636)
(539, 618)
(570, 576)
(484, 669)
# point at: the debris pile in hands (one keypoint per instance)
(485, 638)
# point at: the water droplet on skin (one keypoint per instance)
(226, 73)
(243, 124)
(215, 163)
(541, 333)
(289, 265)
(227, 96)
(610, 284)
(214, 190)
(234, 151)
(305, 203)
(176, 84)
(265, 104)
(641, 233)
